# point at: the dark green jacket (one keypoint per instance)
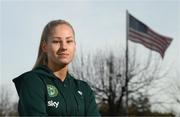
(42, 93)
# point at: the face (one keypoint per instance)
(60, 47)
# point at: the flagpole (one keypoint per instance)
(127, 60)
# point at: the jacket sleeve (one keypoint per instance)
(31, 91)
(91, 106)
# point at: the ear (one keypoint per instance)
(44, 46)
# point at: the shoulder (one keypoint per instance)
(29, 85)
(29, 78)
(82, 85)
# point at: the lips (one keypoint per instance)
(63, 54)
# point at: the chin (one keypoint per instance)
(64, 62)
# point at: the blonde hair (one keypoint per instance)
(47, 32)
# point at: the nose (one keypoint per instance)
(63, 45)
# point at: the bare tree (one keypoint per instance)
(173, 93)
(176, 89)
(7, 106)
(105, 72)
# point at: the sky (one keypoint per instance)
(98, 24)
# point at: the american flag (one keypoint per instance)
(141, 33)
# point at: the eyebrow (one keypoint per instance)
(69, 37)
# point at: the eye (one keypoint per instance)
(55, 41)
(69, 41)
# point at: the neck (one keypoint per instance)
(59, 71)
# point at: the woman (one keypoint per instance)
(48, 89)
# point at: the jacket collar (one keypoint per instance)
(44, 70)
